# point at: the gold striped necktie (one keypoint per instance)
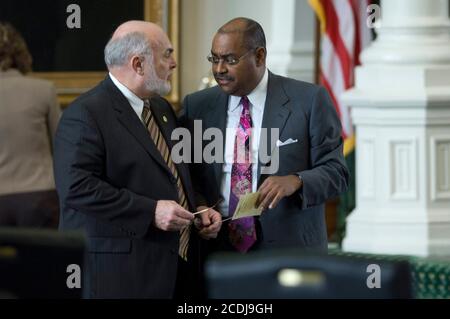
(163, 148)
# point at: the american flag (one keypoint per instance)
(344, 33)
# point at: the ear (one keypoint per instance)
(260, 56)
(137, 65)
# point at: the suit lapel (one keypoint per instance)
(127, 117)
(276, 112)
(165, 121)
(167, 124)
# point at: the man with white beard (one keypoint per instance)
(116, 180)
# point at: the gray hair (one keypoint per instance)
(119, 50)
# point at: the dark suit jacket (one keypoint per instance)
(109, 176)
(300, 111)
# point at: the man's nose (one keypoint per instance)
(173, 63)
(220, 67)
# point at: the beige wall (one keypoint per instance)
(199, 21)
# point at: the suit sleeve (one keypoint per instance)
(328, 176)
(79, 174)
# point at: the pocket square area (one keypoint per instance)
(287, 142)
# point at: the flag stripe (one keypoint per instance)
(365, 33)
(356, 19)
(344, 14)
(327, 85)
(344, 34)
(333, 80)
(338, 43)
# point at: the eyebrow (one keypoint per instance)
(223, 55)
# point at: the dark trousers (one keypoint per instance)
(190, 280)
(33, 209)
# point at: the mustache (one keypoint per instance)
(223, 77)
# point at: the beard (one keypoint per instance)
(155, 84)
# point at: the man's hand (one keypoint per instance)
(275, 188)
(208, 223)
(170, 216)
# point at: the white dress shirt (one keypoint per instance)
(257, 100)
(135, 101)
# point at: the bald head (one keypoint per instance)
(133, 38)
(251, 31)
(152, 30)
(139, 55)
(235, 25)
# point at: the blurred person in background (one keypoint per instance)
(29, 113)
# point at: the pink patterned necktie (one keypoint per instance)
(242, 231)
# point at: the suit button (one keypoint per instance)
(173, 251)
(173, 180)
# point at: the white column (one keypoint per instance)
(291, 50)
(301, 66)
(401, 110)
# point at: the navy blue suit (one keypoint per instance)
(303, 112)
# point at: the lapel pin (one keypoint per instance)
(164, 119)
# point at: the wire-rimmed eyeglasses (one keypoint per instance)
(227, 59)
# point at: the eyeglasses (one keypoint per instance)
(228, 59)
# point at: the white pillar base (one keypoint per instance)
(403, 175)
(370, 232)
(401, 110)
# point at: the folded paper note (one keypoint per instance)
(247, 206)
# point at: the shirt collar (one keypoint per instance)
(256, 97)
(135, 101)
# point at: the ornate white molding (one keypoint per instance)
(440, 168)
(401, 110)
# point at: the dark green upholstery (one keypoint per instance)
(431, 276)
